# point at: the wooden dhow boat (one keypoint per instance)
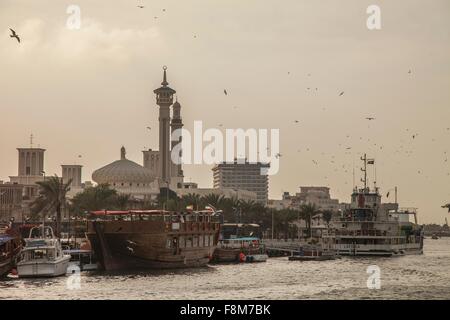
(153, 238)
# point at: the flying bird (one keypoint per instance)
(278, 155)
(370, 118)
(140, 7)
(341, 94)
(409, 71)
(149, 128)
(296, 121)
(225, 91)
(14, 35)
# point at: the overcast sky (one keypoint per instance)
(89, 91)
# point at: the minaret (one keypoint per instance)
(177, 123)
(164, 99)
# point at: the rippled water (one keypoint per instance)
(424, 276)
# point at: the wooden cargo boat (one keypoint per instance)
(152, 238)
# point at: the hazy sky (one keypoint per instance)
(89, 91)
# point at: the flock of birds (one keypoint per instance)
(400, 149)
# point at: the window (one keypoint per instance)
(189, 242)
(182, 243)
(195, 244)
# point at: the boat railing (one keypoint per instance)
(369, 232)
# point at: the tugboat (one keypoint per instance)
(370, 228)
(10, 246)
(135, 239)
(42, 255)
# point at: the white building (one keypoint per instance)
(243, 175)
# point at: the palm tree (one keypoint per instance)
(94, 198)
(123, 201)
(447, 206)
(52, 196)
(193, 199)
(327, 215)
(307, 211)
(214, 200)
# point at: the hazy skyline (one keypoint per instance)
(89, 91)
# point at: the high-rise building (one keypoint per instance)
(243, 175)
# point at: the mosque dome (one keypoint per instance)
(123, 171)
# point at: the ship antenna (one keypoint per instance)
(354, 185)
(364, 170)
(375, 174)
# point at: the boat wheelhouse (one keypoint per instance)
(153, 238)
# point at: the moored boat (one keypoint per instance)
(153, 238)
(243, 249)
(372, 228)
(82, 260)
(42, 255)
(10, 246)
(312, 253)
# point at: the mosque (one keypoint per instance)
(158, 170)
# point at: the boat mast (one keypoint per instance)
(365, 171)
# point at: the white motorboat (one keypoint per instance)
(42, 255)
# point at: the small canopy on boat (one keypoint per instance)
(125, 212)
(143, 212)
(78, 251)
(243, 239)
(4, 238)
(240, 225)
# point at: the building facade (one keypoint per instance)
(30, 170)
(243, 175)
(11, 202)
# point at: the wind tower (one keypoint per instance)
(164, 99)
